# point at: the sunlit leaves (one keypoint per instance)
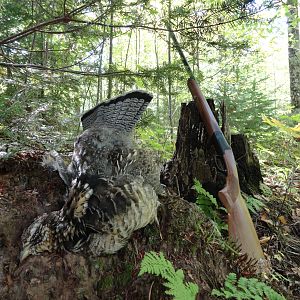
(294, 131)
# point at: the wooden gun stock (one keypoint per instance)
(240, 225)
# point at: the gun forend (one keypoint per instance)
(240, 225)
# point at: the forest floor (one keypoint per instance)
(278, 226)
(28, 190)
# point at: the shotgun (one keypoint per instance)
(240, 226)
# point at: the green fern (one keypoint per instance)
(246, 288)
(158, 265)
(254, 205)
(209, 205)
(204, 198)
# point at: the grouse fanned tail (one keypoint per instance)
(120, 113)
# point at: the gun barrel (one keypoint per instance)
(208, 118)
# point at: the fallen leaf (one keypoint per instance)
(282, 220)
(264, 239)
(264, 218)
(279, 256)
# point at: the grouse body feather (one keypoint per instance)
(112, 186)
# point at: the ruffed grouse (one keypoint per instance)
(112, 187)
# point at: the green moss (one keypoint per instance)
(194, 248)
(106, 283)
(81, 273)
(117, 281)
(152, 233)
(124, 278)
(98, 264)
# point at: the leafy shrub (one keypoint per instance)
(156, 138)
(280, 152)
(290, 130)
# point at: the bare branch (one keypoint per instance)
(66, 18)
(77, 72)
(63, 32)
(37, 51)
(12, 38)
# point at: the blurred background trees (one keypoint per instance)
(59, 58)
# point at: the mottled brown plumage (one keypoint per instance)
(112, 187)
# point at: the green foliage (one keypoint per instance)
(254, 204)
(63, 52)
(265, 190)
(205, 200)
(246, 101)
(246, 288)
(157, 138)
(10, 109)
(208, 204)
(147, 119)
(292, 131)
(158, 265)
(279, 151)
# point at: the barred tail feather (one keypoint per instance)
(121, 112)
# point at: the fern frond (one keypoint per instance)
(158, 265)
(209, 205)
(202, 192)
(254, 204)
(246, 288)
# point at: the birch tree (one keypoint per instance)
(293, 52)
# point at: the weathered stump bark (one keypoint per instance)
(195, 158)
(247, 164)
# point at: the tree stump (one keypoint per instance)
(195, 158)
(247, 164)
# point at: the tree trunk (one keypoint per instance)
(157, 70)
(169, 77)
(194, 157)
(293, 51)
(99, 83)
(110, 58)
(127, 51)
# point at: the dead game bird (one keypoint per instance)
(112, 186)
